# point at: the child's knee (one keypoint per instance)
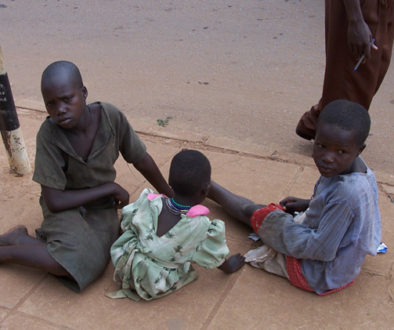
(249, 209)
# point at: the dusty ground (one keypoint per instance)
(234, 76)
(248, 299)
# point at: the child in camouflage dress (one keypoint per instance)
(163, 236)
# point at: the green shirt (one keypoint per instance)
(58, 166)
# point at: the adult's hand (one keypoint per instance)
(359, 36)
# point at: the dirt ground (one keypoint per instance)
(231, 78)
(248, 299)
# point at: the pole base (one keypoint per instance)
(16, 151)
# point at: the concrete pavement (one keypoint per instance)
(248, 299)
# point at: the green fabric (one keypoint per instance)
(58, 166)
(79, 239)
(149, 266)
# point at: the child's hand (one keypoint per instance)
(232, 264)
(294, 204)
(121, 196)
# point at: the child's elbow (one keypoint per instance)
(52, 199)
(53, 206)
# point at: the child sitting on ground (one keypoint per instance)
(77, 146)
(322, 249)
(162, 236)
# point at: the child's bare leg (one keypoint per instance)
(238, 207)
(33, 255)
(16, 236)
(16, 246)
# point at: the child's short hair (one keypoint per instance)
(56, 67)
(190, 170)
(348, 115)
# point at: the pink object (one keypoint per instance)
(152, 196)
(197, 210)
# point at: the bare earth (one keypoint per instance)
(230, 78)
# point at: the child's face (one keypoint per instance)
(64, 101)
(335, 150)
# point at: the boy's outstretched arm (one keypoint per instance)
(60, 200)
(232, 264)
(148, 168)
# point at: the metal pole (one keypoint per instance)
(10, 128)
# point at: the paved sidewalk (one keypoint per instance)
(248, 299)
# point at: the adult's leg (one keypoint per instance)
(238, 207)
(336, 58)
(379, 16)
(340, 80)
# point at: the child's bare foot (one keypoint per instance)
(16, 236)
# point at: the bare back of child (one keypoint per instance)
(190, 178)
